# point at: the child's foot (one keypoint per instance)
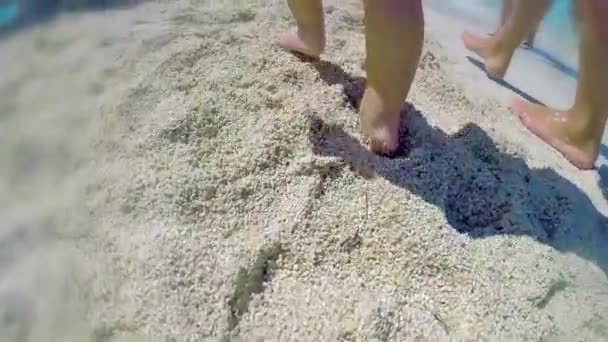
(381, 131)
(379, 123)
(311, 47)
(383, 139)
(555, 128)
(496, 61)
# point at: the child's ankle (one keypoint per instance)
(314, 40)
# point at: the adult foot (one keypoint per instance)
(311, 47)
(556, 129)
(495, 60)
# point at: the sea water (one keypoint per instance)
(8, 13)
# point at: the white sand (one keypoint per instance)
(152, 152)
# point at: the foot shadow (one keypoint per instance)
(603, 172)
(504, 83)
(603, 182)
(483, 191)
(559, 65)
(604, 150)
(332, 74)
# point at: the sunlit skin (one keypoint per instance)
(394, 33)
(577, 132)
(497, 50)
(507, 10)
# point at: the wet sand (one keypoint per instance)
(174, 175)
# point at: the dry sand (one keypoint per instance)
(173, 176)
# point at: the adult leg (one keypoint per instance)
(577, 133)
(310, 36)
(497, 51)
(394, 34)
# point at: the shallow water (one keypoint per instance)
(8, 13)
(21, 13)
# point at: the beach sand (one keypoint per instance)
(174, 176)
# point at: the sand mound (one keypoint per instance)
(228, 195)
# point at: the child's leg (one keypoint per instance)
(507, 11)
(498, 50)
(394, 32)
(577, 133)
(531, 38)
(310, 37)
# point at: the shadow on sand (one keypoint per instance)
(483, 191)
(555, 62)
(604, 151)
(504, 83)
(603, 171)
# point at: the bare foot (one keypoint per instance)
(496, 61)
(383, 136)
(528, 44)
(383, 141)
(556, 129)
(309, 47)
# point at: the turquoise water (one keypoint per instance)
(560, 12)
(8, 14)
